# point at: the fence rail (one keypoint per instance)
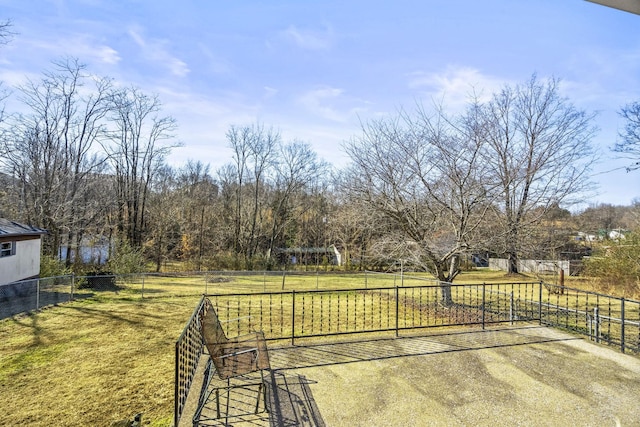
(304, 314)
(293, 315)
(189, 347)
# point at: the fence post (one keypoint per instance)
(284, 273)
(511, 314)
(38, 294)
(397, 309)
(540, 304)
(622, 326)
(365, 279)
(484, 301)
(596, 318)
(73, 285)
(293, 314)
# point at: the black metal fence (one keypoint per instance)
(313, 313)
(189, 347)
(294, 315)
(602, 318)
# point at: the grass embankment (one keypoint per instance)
(110, 356)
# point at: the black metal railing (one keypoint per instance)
(313, 313)
(188, 350)
(302, 314)
(602, 318)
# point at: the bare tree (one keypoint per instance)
(5, 36)
(50, 151)
(297, 169)
(164, 206)
(629, 146)
(425, 178)
(539, 151)
(352, 224)
(254, 149)
(140, 141)
(5, 32)
(197, 195)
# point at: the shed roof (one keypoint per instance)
(10, 228)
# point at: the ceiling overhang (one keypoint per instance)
(632, 6)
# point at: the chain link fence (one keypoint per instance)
(34, 294)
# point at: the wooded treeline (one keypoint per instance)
(87, 160)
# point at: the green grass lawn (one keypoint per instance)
(109, 356)
(91, 362)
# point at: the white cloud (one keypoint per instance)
(317, 102)
(269, 92)
(216, 63)
(108, 55)
(82, 46)
(15, 78)
(309, 39)
(455, 86)
(156, 50)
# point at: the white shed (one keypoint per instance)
(19, 251)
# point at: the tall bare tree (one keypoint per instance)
(424, 177)
(296, 170)
(254, 149)
(629, 146)
(539, 151)
(50, 151)
(164, 207)
(352, 225)
(198, 194)
(141, 138)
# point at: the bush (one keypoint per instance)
(126, 259)
(617, 266)
(51, 266)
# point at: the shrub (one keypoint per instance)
(51, 266)
(617, 266)
(126, 259)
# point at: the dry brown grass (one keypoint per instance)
(91, 362)
(97, 360)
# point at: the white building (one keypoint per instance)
(19, 251)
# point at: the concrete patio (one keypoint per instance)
(524, 375)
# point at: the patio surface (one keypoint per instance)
(523, 375)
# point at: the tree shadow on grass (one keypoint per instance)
(130, 317)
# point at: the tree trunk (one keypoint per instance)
(445, 289)
(512, 263)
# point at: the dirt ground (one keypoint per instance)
(522, 376)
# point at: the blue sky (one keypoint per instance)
(315, 69)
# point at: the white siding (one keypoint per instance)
(531, 266)
(25, 263)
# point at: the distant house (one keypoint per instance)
(618, 234)
(309, 256)
(19, 251)
(585, 237)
